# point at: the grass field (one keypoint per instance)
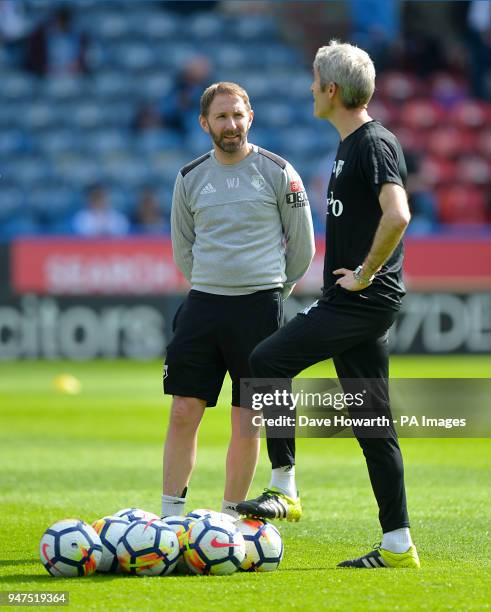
(90, 454)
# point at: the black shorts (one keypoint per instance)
(215, 334)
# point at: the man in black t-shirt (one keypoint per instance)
(367, 213)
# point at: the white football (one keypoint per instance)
(70, 548)
(136, 514)
(180, 526)
(264, 546)
(148, 548)
(214, 547)
(110, 530)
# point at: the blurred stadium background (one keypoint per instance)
(98, 111)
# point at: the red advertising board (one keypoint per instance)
(144, 266)
(108, 267)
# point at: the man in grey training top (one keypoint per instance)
(242, 235)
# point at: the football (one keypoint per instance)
(70, 548)
(148, 548)
(214, 547)
(264, 546)
(201, 513)
(180, 526)
(136, 514)
(110, 530)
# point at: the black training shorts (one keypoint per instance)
(215, 334)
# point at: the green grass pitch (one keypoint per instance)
(90, 454)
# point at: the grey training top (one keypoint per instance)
(241, 228)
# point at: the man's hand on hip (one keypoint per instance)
(349, 282)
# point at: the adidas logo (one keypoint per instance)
(208, 188)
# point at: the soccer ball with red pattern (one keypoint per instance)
(110, 529)
(180, 525)
(264, 547)
(70, 548)
(148, 548)
(135, 514)
(214, 546)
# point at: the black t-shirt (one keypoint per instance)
(366, 159)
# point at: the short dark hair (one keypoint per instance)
(224, 87)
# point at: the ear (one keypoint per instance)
(331, 89)
(204, 124)
(251, 117)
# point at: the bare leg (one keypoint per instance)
(242, 456)
(181, 443)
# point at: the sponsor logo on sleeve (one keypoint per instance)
(297, 199)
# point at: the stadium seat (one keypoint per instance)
(50, 204)
(278, 114)
(484, 144)
(63, 88)
(462, 204)
(110, 84)
(173, 55)
(18, 86)
(448, 89)
(153, 141)
(157, 25)
(155, 85)
(166, 164)
(473, 169)
(134, 169)
(133, 56)
(12, 142)
(20, 225)
(110, 25)
(226, 56)
(206, 26)
(383, 111)
(438, 171)
(421, 114)
(398, 86)
(40, 114)
(27, 169)
(471, 114)
(254, 28)
(256, 83)
(89, 115)
(58, 141)
(12, 202)
(449, 141)
(107, 140)
(122, 198)
(411, 140)
(77, 170)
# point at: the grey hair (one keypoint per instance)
(351, 68)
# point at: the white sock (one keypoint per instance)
(283, 478)
(230, 508)
(172, 505)
(397, 541)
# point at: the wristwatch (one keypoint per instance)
(360, 278)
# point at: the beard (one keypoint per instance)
(228, 146)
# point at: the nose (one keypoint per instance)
(230, 124)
